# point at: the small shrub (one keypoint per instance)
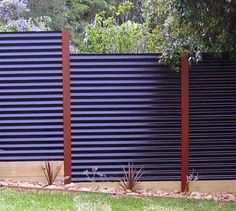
(50, 172)
(191, 177)
(131, 178)
(91, 175)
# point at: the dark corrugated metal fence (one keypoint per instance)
(31, 114)
(125, 108)
(213, 119)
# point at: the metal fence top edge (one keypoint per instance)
(30, 32)
(115, 54)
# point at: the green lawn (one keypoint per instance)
(31, 201)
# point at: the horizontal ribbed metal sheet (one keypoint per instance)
(125, 108)
(213, 119)
(31, 96)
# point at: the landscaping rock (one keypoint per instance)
(85, 189)
(72, 188)
(132, 194)
(27, 185)
(3, 183)
(51, 187)
(209, 196)
(138, 193)
(196, 195)
(176, 191)
(67, 186)
(232, 197)
(119, 191)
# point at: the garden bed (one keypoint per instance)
(140, 192)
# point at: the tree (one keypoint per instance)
(214, 23)
(56, 10)
(191, 26)
(116, 34)
(14, 17)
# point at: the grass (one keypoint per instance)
(17, 200)
(34, 201)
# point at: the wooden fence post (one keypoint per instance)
(66, 105)
(184, 120)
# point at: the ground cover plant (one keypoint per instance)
(31, 200)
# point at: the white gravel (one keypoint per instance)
(138, 192)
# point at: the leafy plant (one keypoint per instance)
(131, 177)
(51, 172)
(105, 35)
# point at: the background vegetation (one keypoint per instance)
(134, 26)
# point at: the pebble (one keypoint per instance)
(209, 197)
(72, 188)
(67, 186)
(85, 189)
(51, 187)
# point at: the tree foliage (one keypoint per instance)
(116, 34)
(191, 26)
(128, 37)
(14, 16)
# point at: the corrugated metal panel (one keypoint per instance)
(125, 108)
(213, 119)
(31, 115)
